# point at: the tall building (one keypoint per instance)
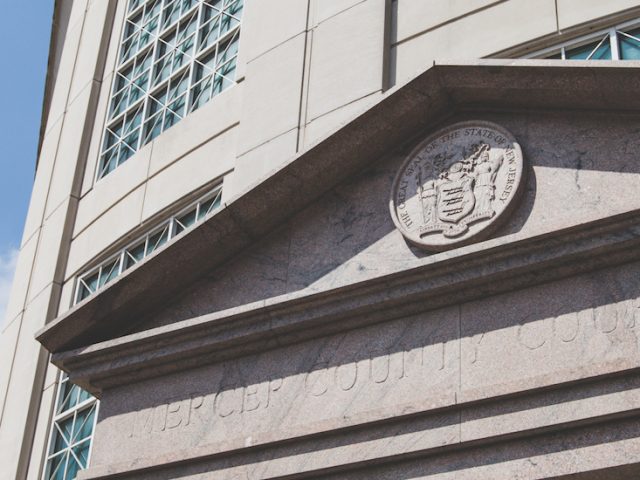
(330, 239)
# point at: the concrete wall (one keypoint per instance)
(427, 31)
(26, 383)
(305, 68)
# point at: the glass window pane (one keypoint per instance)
(56, 468)
(209, 33)
(162, 38)
(629, 44)
(109, 272)
(134, 254)
(598, 50)
(64, 428)
(83, 292)
(90, 282)
(186, 220)
(72, 468)
(81, 452)
(72, 429)
(157, 239)
(69, 396)
(83, 395)
(209, 206)
(83, 425)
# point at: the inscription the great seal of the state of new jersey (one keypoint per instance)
(457, 185)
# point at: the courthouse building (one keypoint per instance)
(346, 239)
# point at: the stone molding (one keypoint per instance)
(361, 441)
(448, 278)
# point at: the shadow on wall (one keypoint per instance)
(348, 236)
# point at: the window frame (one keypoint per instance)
(56, 417)
(612, 33)
(107, 164)
(120, 256)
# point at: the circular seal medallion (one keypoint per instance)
(457, 185)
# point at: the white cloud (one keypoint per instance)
(8, 262)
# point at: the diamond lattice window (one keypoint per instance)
(175, 56)
(94, 279)
(71, 431)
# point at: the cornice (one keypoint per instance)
(448, 278)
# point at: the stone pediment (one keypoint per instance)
(195, 275)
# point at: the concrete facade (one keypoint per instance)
(295, 331)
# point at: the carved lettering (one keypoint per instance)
(476, 340)
(316, 381)
(566, 327)
(434, 355)
(226, 402)
(346, 376)
(380, 366)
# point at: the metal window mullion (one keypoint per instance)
(613, 42)
(144, 239)
(136, 10)
(128, 62)
(208, 49)
(606, 37)
(122, 258)
(66, 463)
(100, 269)
(612, 32)
(121, 116)
(154, 54)
(172, 228)
(190, 83)
(200, 5)
(141, 126)
(64, 415)
(76, 298)
(228, 34)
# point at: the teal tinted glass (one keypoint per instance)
(161, 41)
(186, 220)
(599, 50)
(71, 434)
(133, 255)
(57, 467)
(81, 451)
(157, 240)
(629, 44)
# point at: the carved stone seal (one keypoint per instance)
(457, 185)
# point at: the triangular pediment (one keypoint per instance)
(320, 224)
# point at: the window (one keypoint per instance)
(71, 431)
(175, 55)
(617, 43)
(91, 281)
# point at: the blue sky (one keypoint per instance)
(25, 27)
